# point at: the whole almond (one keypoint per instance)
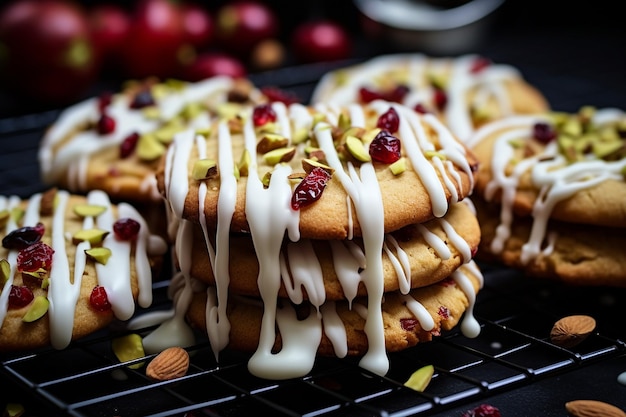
(171, 363)
(592, 408)
(571, 330)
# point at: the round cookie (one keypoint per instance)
(568, 167)
(576, 254)
(414, 256)
(250, 181)
(113, 142)
(46, 245)
(340, 329)
(466, 91)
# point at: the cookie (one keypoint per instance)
(264, 160)
(414, 256)
(113, 142)
(341, 329)
(66, 272)
(466, 91)
(555, 169)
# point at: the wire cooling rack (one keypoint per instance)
(511, 364)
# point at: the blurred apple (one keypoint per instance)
(110, 26)
(46, 52)
(210, 64)
(243, 24)
(319, 41)
(198, 25)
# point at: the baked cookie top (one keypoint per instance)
(286, 338)
(113, 142)
(70, 265)
(414, 256)
(568, 167)
(465, 91)
(327, 171)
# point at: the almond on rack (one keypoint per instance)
(172, 363)
(572, 330)
(591, 408)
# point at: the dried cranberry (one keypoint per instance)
(389, 120)
(479, 64)
(106, 124)
(23, 237)
(310, 189)
(262, 114)
(282, 96)
(444, 312)
(99, 299)
(483, 410)
(128, 145)
(104, 100)
(366, 95)
(440, 98)
(20, 296)
(408, 324)
(543, 132)
(420, 108)
(385, 148)
(35, 257)
(396, 94)
(126, 229)
(142, 99)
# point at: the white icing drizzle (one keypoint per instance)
(65, 283)
(8, 203)
(550, 173)
(415, 71)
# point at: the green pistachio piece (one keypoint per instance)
(149, 148)
(344, 121)
(166, 133)
(369, 135)
(266, 179)
(244, 163)
(271, 141)
(300, 135)
(93, 236)
(128, 348)
(151, 112)
(398, 167)
(308, 165)
(357, 132)
(572, 127)
(191, 110)
(4, 217)
(228, 110)
(17, 213)
(420, 379)
(5, 271)
(14, 410)
(98, 254)
(88, 210)
(45, 282)
(433, 154)
(206, 132)
(357, 149)
(204, 169)
(275, 156)
(37, 309)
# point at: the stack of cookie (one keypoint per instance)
(551, 194)
(330, 230)
(465, 92)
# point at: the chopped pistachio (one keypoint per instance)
(149, 148)
(420, 379)
(5, 271)
(244, 163)
(309, 164)
(4, 217)
(151, 112)
(344, 121)
(14, 410)
(357, 149)
(228, 110)
(300, 135)
(266, 179)
(204, 169)
(17, 213)
(271, 141)
(99, 254)
(369, 135)
(434, 154)
(45, 282)
(275, 156)
(93, 236)
(206, 132)
(398, 167)
(88, 210)
(37, 309)
(128, 348)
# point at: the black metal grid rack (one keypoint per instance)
(511, 365)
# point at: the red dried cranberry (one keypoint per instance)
(282, 96)
(126, 229)
(367, 96)
(396, 94)
(20, 296)
(310, 189)
(420, 108)
(543, 132)
(479, 64)
(35, 257)
(104, 100)
(440, 98)
(408, 324)
(128, 145)
(142, 99)
(385, 148)
(106, 124)
(99, 299)
(483, 410)
(23, 237)
(262, 114)
(389, 120)
(444, 312)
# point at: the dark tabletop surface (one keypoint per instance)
(575, 53)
